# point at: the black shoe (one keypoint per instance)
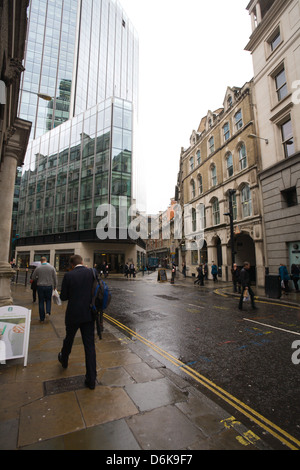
(253, 307)
(91, 386)
(63, 363)
(240, 308)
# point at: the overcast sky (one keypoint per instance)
(189, 53)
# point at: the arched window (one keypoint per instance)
(211, 144)
(198, 155)
(200, 184)
(226, 131)
(194, 220)
(243, 157)
(229, 165)
(216, 212)
(238, 120)
(213, 175)
(191, 163)
(193, 191)
(246, 201)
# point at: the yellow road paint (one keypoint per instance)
(254, 416)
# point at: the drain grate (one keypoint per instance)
(67, 384)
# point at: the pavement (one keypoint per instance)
(138, 403)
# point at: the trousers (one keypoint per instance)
(87, 331)
(45, 297)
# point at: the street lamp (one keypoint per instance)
(43, 96)
(253, 136)
(231, 192)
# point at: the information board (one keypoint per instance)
(162, 275)
(14, 333)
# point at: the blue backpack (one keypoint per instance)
(101, 295)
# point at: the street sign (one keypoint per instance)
(14, 333)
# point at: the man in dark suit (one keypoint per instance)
(77, 289)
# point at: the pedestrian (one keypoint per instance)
(200, 276)
(184, 269)
(295, 273)
(45, 275)
(33, 286)
(235, 272)
(214, 271)
(245, 286)
(126, 270)
(131, 270)
(173, 274)
(77, 288)
(284, 277)
(205, 271)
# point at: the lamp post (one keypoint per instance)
(43, 96)
(253, 136)
(231, 192)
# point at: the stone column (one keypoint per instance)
(7, 183)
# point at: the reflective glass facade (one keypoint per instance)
(76, 167)
(84, 54)
(79, 52)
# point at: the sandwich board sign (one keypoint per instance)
(14, 333)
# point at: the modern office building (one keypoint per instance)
(275, 48)
(84, 55)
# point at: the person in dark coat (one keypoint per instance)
(200, 276)
(235, 272)
(245, 285)
(295, 274)
(77, 288)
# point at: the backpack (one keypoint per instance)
(101, 295)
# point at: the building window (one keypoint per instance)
(238, 120)
(216, 212)
(234, 206)
(213, 175)
(289, 197)
(281, 85)
(200, 184)
(287, 138)
(243, 157)
(246, 201)
(191, 163)
(226, 131)
(198, 157)
(229, 164)
(275, 39)
(194, 220)
(193, 189)
(202, 216)
(211, 145)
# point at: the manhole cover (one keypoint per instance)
(68, 384)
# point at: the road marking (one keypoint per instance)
(197, 306)
(283, 436)
(274, 327)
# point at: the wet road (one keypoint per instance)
(247, 354)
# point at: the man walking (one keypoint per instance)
(45, 276)
(245, 285)
(77, 288)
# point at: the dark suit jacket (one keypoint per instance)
(77, 289)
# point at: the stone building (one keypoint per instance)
(275, 48)
(221, 163)
(14, 132)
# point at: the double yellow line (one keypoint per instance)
(251, 414)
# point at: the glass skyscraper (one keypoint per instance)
(83, 54)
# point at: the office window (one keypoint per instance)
(281, 85)
(229, 163)
(275, 39)
(242, 157)
(238, 120)
(198, 157)
(213, 175)
(246, 201)
(193, 192)
(216, 212)
(200, 184)
(287, 138)
(226, 131)
(194, 220)
(211, 145)
(191, 163)
(289, 197)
